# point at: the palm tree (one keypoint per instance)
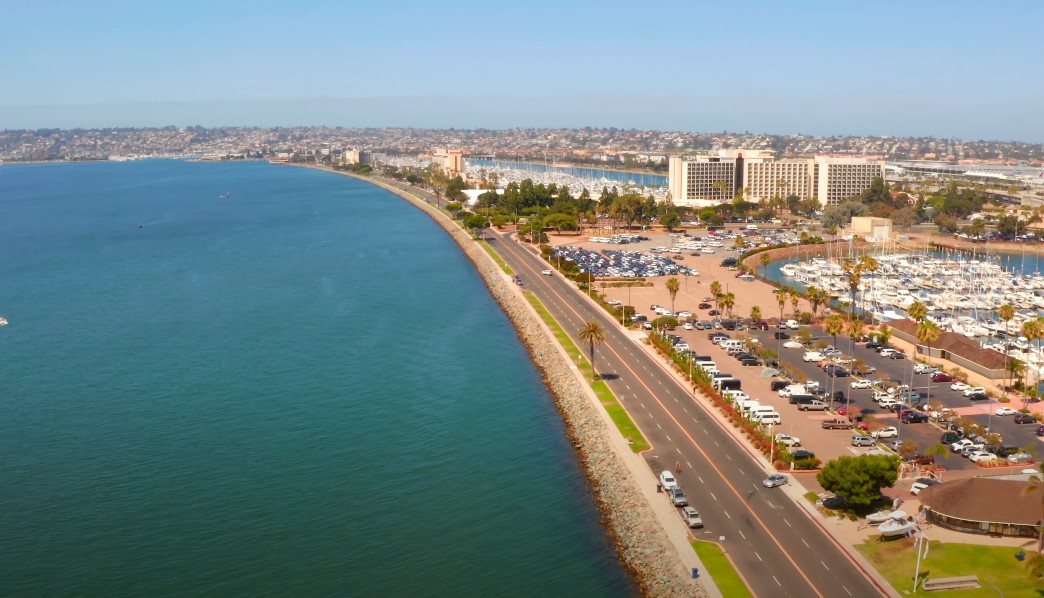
(854, 271)
(917, 311)
(672, 285)
(781, 298)
(884, 335)
(835, 325)
(795, 300)
(928, 332)
(1036, 484)
(1032, 331)
(867, 264)
(1006, 312)
(592, 334)
(722, 187)
(854, 329)
(817, 298)
(727, 302)
(755, 313)
(715, 288)
(764, 259)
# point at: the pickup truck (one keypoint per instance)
(836, 424)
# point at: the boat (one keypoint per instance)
(878, 517)
(746, 277)
(225, 195)
(3, 321)
(894, 528)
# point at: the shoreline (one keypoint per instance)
(640, 542)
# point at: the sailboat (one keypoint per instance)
(225, 195)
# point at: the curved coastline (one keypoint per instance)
(641, 543)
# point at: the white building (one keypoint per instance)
(450, 161)
(693, 181)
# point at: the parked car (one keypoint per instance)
(812, 356)
(678, 497)
(886, 432)
(860, 440)
(981, 457)
(974, 390)
(978, 396)
(836, 423)
(778, 385)
(1024, 418)
(780, 335)
(949, 437)
(921, 459)
(864, 383)
(941, 377)
(914, 418)
(958, 386)
(922, 368)
(775, 480)
(1040, 431)
(691, 517)
(667, 480)
(788, 440)
(1005, 411)
(896, 355)
(1017, 458)
(835, 502)
(802, 454)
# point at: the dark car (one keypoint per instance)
(838, 395)
(780, 335)
(704, 306)
(978, 396)
(876, 346)
(777, 385)
(941, 377)
(750, 361)
(714, 312)
(803, 454)
(728, 324)
(897, 355)
(1040, 430)
(1024, 418)
(837, 372)
(835, 502)
(921, 459)
(761, 325)
(915, 418)
(951, 437)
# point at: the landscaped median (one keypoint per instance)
(623, 422)
(720, 568)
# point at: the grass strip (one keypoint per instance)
(995, 566)
(623, 421)
(496, 258)
(720, 569)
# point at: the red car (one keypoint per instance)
(761, 325)
(941, 377)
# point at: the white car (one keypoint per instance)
(685, 314)
(613, 302)
(687, 326)
(667, 480)
(887, 402)
(1020, 458)
(792, 345)
(861, 384)
(972, 390)
(958, 446)
(546, 272)
(1005, 411)
(788, 440)
(958, 386)
(887, 432)
(981, 457)
(692, 517)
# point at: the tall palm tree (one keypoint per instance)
(928, 332)
(917, 311)
(868, 264)
(755, 313)
(1006, 313)
(1032, 331)
(817, 298)
(854, 273)
(835, 325)
(672, 285)
(715, 288)
(728, 301)
(722, 187)
(854, 329)
(592, 334)
(884, 335)
(781, 299)
(764, 259)
(795, 300)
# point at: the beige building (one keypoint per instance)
(450, 161)
(355, 156)
(872, 228)
(830, 180)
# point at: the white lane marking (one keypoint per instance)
(728, 456)
(742, 534)
(712, 494)
(690, 466)
(740, 470)
(777, 581)
(805, 543)
(787, 522)
(824, 565)
(716, 444)
(846, 589)
(727, 514)
(759, 557)
(641, 403)
(701, 481)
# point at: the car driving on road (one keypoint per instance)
(774, 480)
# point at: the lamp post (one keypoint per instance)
(917, 570)
(772, 444)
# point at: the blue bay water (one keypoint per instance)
(301, 390)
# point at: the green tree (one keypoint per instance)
(475, 223)
(671, 220)
(795, 301)
(1006, 313)
(764, 260)
(835, 325)
(917, 311)
(859, 479)
(755, 313)
(727, 302)
(715, 288)
(1036, 485)
(841, 214)
(781, 299)
(592, 333)
(558, 221)
(1031, 329)
(672, 285)
(817, 298)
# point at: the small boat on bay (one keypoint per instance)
(3, 321)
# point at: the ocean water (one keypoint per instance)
(303, 389)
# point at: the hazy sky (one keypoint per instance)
(973, 70)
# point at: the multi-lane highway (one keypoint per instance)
(777, 547)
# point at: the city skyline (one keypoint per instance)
(807, 67)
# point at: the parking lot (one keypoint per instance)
(829, 444)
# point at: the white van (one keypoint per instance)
(757, 411)
(736, 395)
(768, 418)
(752, 227)
(748, 404)
(793, 324)
(812, 356)
(732, 343)
(793, 389)
(705, 364)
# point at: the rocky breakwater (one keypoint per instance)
(641, 543)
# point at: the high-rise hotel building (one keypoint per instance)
(695, 180)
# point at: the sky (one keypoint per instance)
(926, 68)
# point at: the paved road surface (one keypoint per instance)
(778, 548)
